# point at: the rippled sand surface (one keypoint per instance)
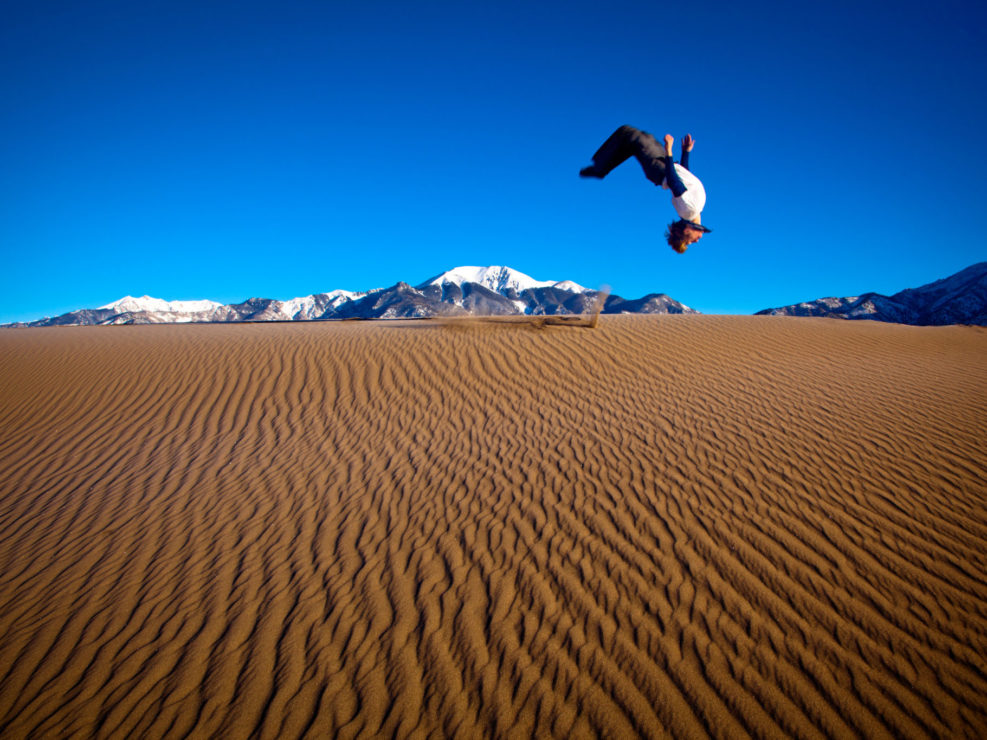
(678, 526)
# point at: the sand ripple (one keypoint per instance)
(662, 527)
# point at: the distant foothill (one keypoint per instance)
(958, 299)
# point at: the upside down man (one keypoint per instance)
(688, 194)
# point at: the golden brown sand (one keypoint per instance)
(677, 526)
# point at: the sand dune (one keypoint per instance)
(678, 526)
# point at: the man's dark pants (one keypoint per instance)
(625, 142)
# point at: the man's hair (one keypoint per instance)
(675, 236)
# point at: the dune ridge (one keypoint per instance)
(682, 526)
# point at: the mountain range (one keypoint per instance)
(484, 291)
(958, 299)
(496, 290)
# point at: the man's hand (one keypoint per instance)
(669, 142)
(687, 143)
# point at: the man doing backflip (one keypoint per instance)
(688, 194)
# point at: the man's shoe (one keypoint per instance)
(590, 171)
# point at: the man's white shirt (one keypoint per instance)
(693, 200)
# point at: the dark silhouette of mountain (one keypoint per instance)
(957, 299)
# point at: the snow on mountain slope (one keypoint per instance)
(311, 306)
(499, 279)
(569, 286)
(129, 304)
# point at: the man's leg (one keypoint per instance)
(623, 143)
(614, 151)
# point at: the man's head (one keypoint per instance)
(681, 234)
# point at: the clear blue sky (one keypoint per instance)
(224, 150)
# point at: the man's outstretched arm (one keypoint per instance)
(675, 183)
(687, 143)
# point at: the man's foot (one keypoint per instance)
(590, 171)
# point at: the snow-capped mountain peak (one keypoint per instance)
(129, 304)
(499, 279)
